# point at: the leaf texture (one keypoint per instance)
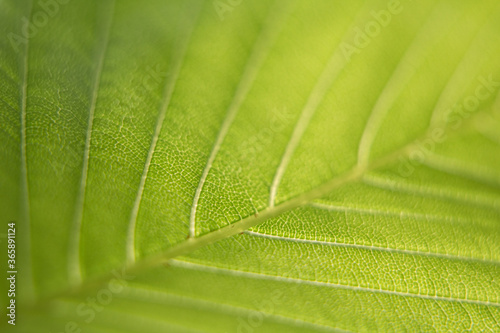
(252, 166)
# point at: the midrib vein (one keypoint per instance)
(178, 57)
(226, 271)
(26, 210)
(191, 244)
(74, 269)
(270, 31)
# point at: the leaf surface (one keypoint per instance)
(298, 167)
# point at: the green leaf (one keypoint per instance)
(251, 166)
